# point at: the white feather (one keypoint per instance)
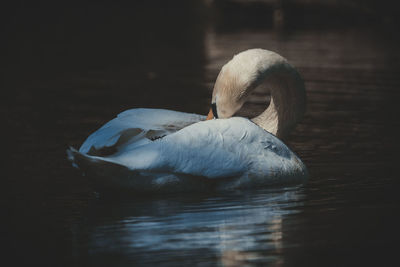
(155, 149)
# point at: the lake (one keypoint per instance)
(69, 68)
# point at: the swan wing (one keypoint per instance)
(225, 148)
(202, 149)
(212, 149)
(136, 127)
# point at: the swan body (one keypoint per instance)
(149, 150)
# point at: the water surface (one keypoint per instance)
(67, 78)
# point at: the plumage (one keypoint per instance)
(149, 150)
(136, 127)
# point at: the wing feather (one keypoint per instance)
(136, 127)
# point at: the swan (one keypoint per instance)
(149, 150)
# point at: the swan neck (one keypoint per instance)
(287, 104)
(268, 120)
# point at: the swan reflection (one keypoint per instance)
(237, 229)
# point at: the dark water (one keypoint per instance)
(67, 69)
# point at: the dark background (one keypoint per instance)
(67, 67)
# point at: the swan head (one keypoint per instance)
(230, 91)
(238, 78)
(247, 71)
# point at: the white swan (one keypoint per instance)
(155, 149)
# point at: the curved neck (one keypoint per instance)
(288, 99)
(251, 69)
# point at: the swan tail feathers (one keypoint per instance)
(72, 155)
(112, 178)
(85, 162)
(105, 176)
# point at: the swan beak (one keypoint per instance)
(210, 115)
